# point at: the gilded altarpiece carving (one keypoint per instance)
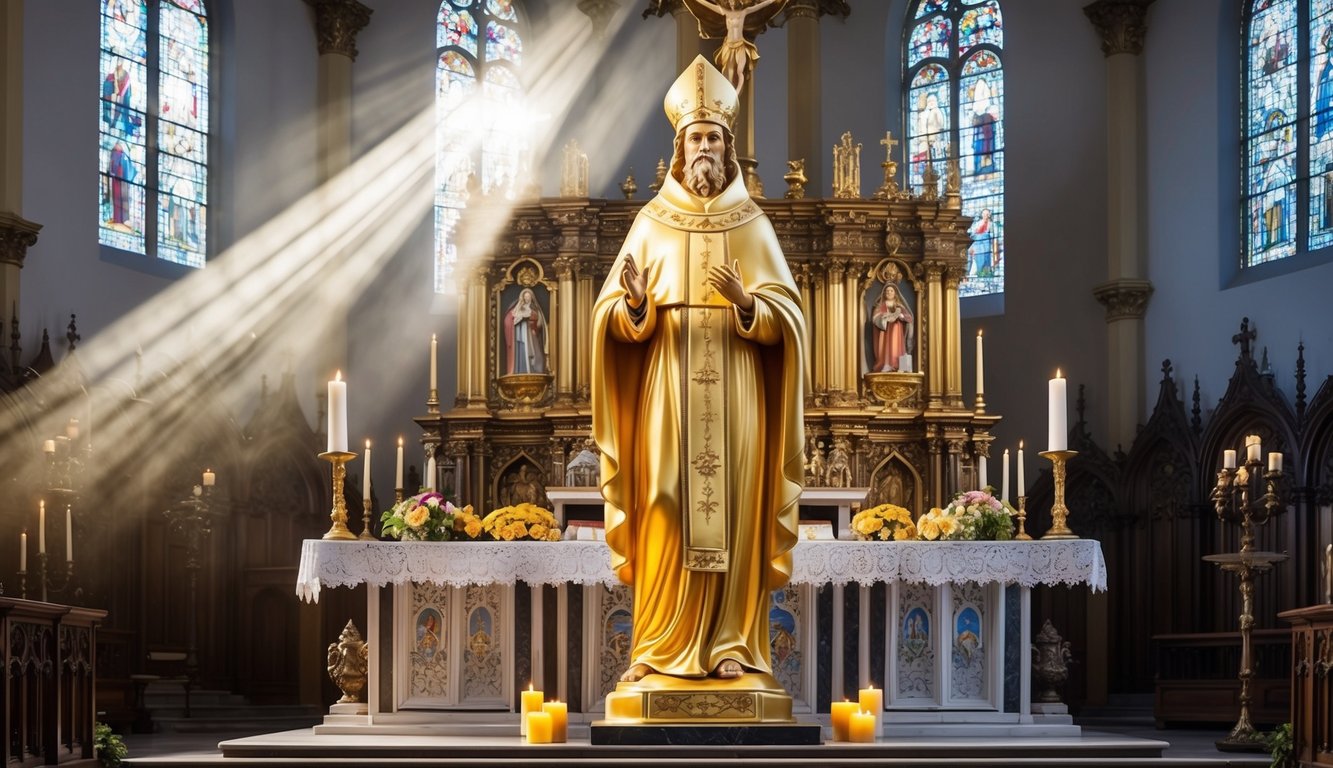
(879, 284)
(454, 646)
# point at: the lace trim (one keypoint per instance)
(349, 563)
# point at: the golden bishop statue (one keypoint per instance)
(697, 408)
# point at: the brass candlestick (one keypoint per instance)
(1237, 497)
(339, 529)
(1022, 535)
(366, 535)
(397, 495)
(1059, 512)
(433, 401)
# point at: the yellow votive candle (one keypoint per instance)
(539, 727)
(861, 727)
(531, 701)
(872, 700)
(840, 715)
(559, 712)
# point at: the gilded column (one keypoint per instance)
(481, 374)
(587, 276)
(820, 314)
(802, 274)
(566, 312)
(1122, 26)
(466, 337)
(851, 321)
(953, 335)
(835, 323)
(17, 234)
(935, 341)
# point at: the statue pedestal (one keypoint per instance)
(701, 734)
(661, 699)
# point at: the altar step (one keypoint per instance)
(348, 751)
(212, 711)
(1121, 709)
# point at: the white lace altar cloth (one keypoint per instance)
(380, 563)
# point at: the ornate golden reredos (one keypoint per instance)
(701, 93)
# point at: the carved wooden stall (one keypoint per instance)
(1172, 618)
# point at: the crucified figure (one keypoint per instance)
(737, 55)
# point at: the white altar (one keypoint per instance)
(945, 639)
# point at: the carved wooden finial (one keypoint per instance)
(1246, 335)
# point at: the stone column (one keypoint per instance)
(565, 308)
(804, 97)
(587, 288)
(1121, 24)
(17, 234)
(337, 23)
(688, 42)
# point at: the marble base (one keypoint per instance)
(751, 698)
(605, 733)
(353, 708)
(1039, 708)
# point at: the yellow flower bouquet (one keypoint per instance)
(885, 522)
(519, 522)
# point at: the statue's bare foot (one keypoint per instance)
(729, 669)
(635, 673)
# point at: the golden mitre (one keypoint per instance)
(701, 93)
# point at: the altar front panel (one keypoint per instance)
(453, 646)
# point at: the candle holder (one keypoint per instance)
(1022, 534)
(366, 535)
(433, 401)
(980, 406)
(49, 583)
(192, 520)
(1237, 498)
(397, 495)
(1059, 512)
(339, 530)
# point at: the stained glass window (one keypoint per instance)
(154, 193)
(479, 142)
(1287, 203)
(954, 90)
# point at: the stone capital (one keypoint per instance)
(17, 234)
(1124, 299)
(600, 12)
(1121, 23)
(337, 23)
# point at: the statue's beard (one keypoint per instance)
(706, 176)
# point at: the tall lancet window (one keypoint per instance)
(479, 139)
(153, 158)
(1288, 183)
(954, 91)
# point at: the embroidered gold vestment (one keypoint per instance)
(698, 414)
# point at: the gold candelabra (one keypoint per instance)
(339, 529)
(1022, 534)
(1237, 497)
(1059, 512)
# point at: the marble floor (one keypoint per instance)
(1106, 746)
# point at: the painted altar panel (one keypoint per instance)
(973, 666)
(914, 660)
(608, 622)
(454, 646)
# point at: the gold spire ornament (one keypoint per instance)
(889, 189)
(847, 169)
(795, 178)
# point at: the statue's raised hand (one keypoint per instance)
(634, 281)
(726, 280)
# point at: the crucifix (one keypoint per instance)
(889, 189)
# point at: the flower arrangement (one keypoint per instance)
(424, 517)
(521, 521)
(885, 522)
(970, 516)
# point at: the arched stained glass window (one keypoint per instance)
(954, 89)
(1287, 200)
(479, 46)
(153, 158)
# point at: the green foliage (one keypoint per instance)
(1280, 747)
(110, 749)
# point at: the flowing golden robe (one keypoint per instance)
(699, 419)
